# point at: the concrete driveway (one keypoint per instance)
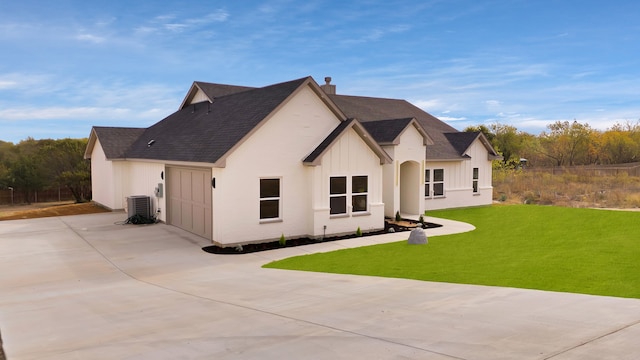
(82, 287)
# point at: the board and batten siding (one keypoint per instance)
(349, 156)
(199, 97)
(458, 180)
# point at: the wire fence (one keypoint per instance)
(17, 197)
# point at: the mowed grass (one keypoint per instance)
(584, 251)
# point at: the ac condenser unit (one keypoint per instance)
(139, 205)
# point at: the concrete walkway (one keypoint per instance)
(81, 287)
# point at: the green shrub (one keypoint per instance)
(358, 232)
(283, 240)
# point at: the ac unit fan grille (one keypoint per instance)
(139, 205)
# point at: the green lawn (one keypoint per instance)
(525, 246)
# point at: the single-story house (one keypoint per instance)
(241, 165)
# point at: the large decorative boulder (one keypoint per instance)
(417, 237)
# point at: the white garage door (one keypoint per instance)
(189, 199)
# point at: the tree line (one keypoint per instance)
(35, 165)
(565, 143)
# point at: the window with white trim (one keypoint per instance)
(269, 198)
(338, 195)
(427, 183)
(475, 180)
(434, 182)
(359, 191)
(438, 182)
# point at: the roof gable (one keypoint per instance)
(316, 155)
(208, 132)
(211, 91)
(462, 141)
(205, 132)
(388, 132)
(115, 141)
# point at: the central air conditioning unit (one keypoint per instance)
(139, 205)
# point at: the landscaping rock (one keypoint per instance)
(417, 237)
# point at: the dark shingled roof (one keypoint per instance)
(367, 109)
(116, 140)
(461, 140)
(386, 131)
(218, 90)
(205, 132)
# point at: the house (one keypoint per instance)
(242, 165)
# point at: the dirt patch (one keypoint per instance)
(48, 210)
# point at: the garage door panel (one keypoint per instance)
(197, 188)
(190, 200)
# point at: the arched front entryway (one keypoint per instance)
(410, 188)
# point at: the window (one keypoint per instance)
(341, 188)
(269, 198)
(359, 189)
(475, 180)
(338, 195)
(438, 182)
(427, 183)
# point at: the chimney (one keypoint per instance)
(327, 87)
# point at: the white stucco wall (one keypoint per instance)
(102, 178)
(141, 178)
(410, 148)
(275, 150)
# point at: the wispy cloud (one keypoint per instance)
(90, 38)
(181, 23)
(8, 84)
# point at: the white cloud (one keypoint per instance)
(176, 24)
(57, 113)
(451, 118)
(7, 84)
(428, 104)
(90, 38)
(22, 81)
(175, 27)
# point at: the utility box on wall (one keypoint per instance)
(159, 190)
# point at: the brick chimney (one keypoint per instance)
(327, 87)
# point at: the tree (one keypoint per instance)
(66, 165)
(621, 144)
(565, 141)
(26, 175)
(506, 140)
(484, 130)
(509, 142)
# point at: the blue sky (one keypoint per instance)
(67, 65)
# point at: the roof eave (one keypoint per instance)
(93, 136)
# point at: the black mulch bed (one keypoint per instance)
(250, 248)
